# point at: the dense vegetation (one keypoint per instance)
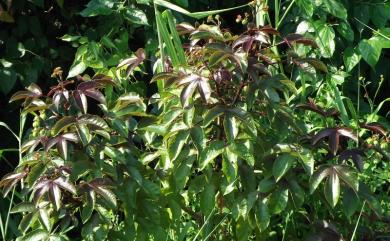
(158, 120)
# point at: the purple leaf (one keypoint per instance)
(81, 100)
(356, 155)
(376, 128)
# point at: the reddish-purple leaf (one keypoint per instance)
(317, 64)
(95, 94)
(298, 38)
(55, 196)
(187, 92)
(133, 62)
(10, 180)
(204, 89)
(356, 155)
(376, 128)
(184, 28)
(41, 189)
(87, 85)
(81, 100)
(222, 75)
(269, 30)
(333, 135)
(64, 184)
(313, 107)
(23, 95)
(63, 123)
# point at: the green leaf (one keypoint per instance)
(229, 165)
(351, 58)
(212, 114)
(317, 177)
(307, 161)
(230, 126)
(28, 220)
(36, 235)
(207, 199)
(278, 201)
(70, 38)
(108, 195)
(208, 154)
(176, 143)
(135, 15)
(332, 189)
(44, 218)
(244, 150)
(281, 165)
(198, 137)
(348, 175)
(262, 214)
(335, 8)
(297, 193)
(317, 64)
(306, 6)
(8, 79)
(325, 39)
(243, 229)
(350, 202)
(345, 29)
(77, 68)
(89, 206)
(23, 207)
(35, 172)
(93, 120)
(98, 7)
(182, 172)
(370, 51)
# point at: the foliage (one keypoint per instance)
(227, 149)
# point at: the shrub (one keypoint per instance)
(221, 151)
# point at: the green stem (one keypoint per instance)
(8, 213)
(160, 83)
(358, 99)
(260, 13)
(215, 228)
(284, 14)
(204, 225)
(357, 223)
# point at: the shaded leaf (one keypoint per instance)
(317, 177)
(281, 165)
(332, 189)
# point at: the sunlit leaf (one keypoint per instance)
(208, 154)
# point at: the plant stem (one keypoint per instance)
(8, 213)
(284, 14)
(357, 223)
(215, 228)
(200, 230)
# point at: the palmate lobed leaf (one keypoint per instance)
(376, 128)
(333, 134)
(356, 155)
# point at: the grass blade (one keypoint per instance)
(197, 15)
(175, 37)
(165, 36)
